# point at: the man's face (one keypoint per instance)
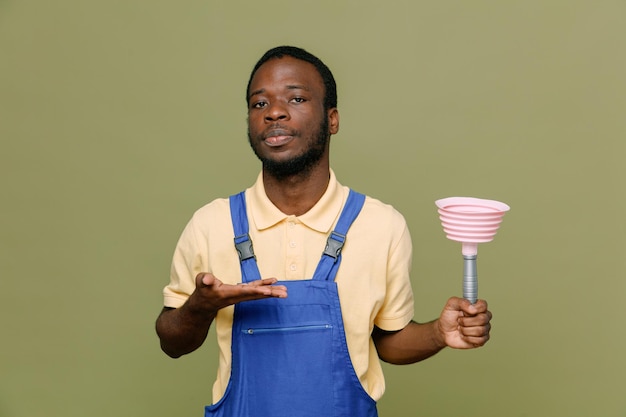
(288, 128)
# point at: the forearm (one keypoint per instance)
(182, 330)
(414, 343)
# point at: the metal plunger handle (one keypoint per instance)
(470, 278)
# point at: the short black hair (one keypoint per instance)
(330, 95)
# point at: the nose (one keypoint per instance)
(276, 111)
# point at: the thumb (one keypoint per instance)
(465, 306)
(205, 279)
(449, 319)
(456, 304)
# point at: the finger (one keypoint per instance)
(255, 290)
(476, 334)
(469, 309)
(477, 320)
(464, 305)
(476, 341)
(278, 291)
(475, 331)
(480, 305)
(265, 281)
(267, 287)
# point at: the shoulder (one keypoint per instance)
(382, 213)
(211, 216)
(217, 206)
(381, 222)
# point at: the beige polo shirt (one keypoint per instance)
(373, 279)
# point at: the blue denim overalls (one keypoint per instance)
(289, 355)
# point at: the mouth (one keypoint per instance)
(278, 137)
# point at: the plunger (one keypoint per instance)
(470, 221)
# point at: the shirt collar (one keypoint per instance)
(320, 217)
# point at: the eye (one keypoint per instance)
(259, 105)
(298, 99)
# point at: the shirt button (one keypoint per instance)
(292, 267)
(292, 244)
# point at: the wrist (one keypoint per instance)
(439, 336)
(196, 312)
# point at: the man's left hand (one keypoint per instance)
(464, 325)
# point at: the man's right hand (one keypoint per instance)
(182, 330)
(211, 294)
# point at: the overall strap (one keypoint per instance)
(331, 258)
(243, 244)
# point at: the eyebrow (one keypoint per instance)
(288, 87)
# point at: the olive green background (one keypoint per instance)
(119, 118)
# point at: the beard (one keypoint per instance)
(299, 164)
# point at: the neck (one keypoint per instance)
(297, 194)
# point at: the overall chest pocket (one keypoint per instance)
(289, 361)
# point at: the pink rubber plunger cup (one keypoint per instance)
(470, 221)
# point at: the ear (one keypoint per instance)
(333, 121)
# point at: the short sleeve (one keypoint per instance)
(398, 308)
(188, 261)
